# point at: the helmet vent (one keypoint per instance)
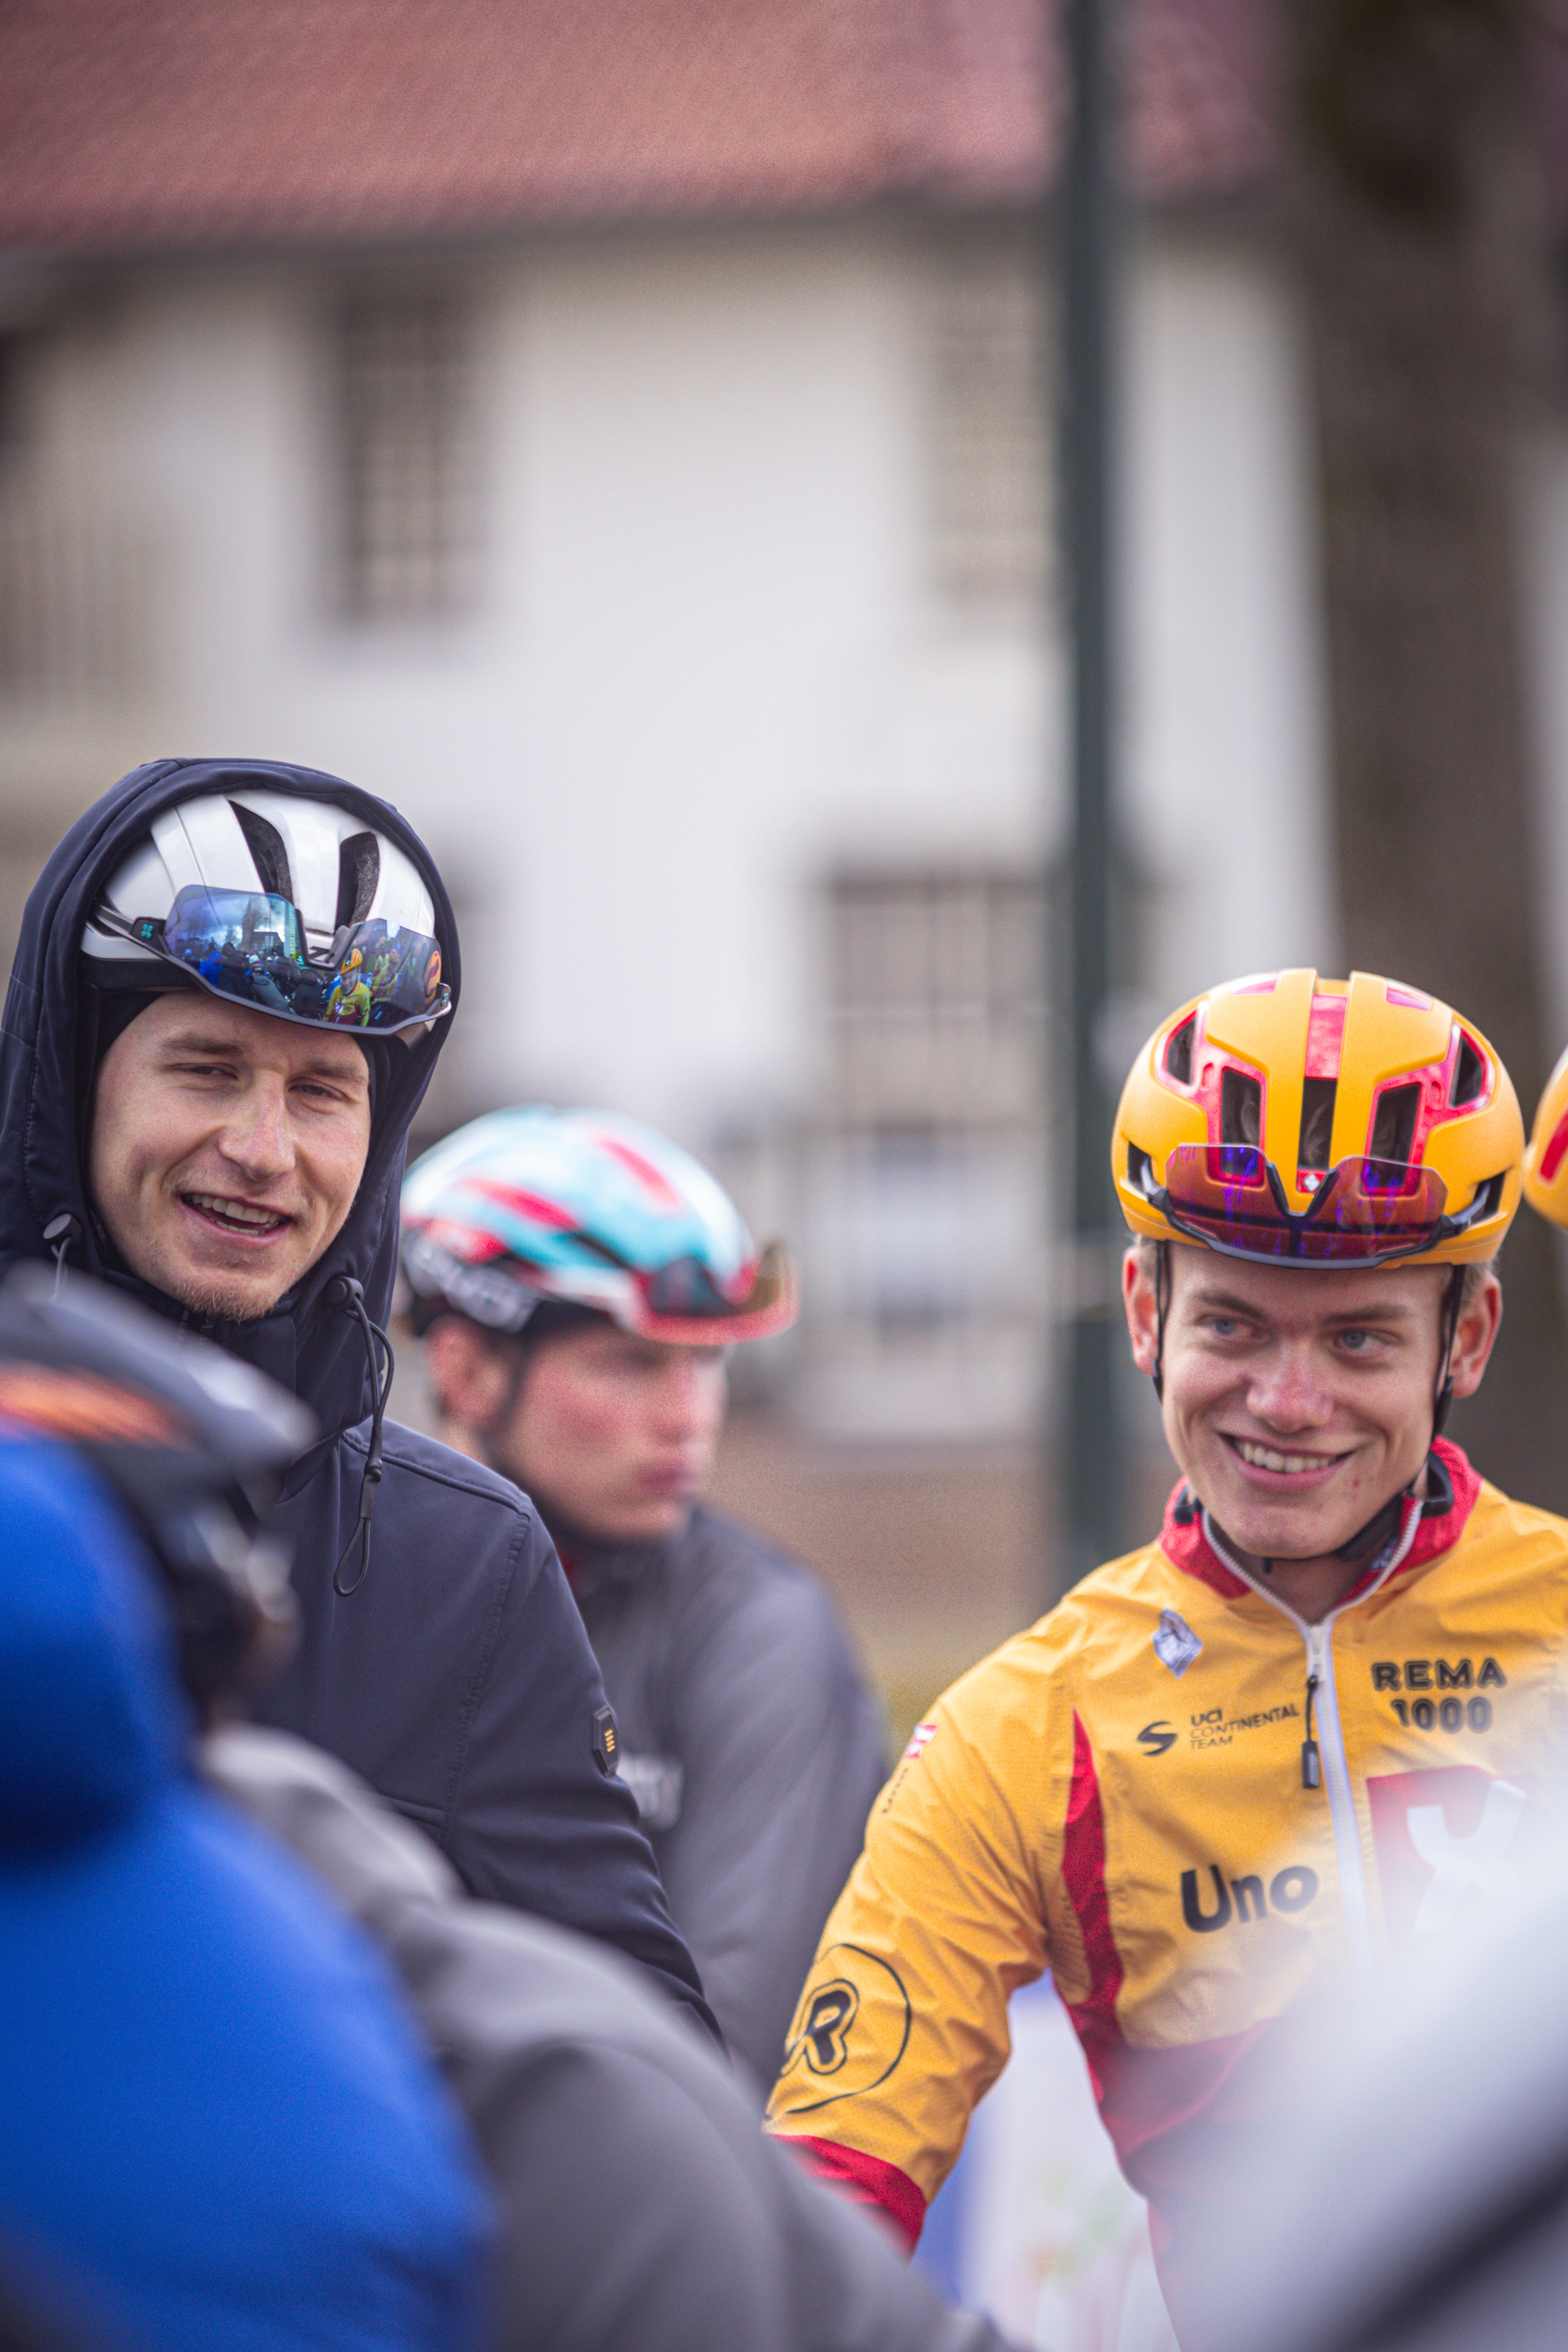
(1317, 1122)
(1470, 1073)
(592, 1248)
(267, 853)
(1393, 1128)
(1240, 1109)
(1179, 1051)
(359, 871)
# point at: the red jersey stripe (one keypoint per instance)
(1083, 1874)
(867, 2180)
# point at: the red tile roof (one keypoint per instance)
(144, 125)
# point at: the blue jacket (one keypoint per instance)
(457, 1679)
(218, 2126)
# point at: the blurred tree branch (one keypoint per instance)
(1420, 230)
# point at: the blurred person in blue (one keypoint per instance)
(638, 2202)
(24, 2327)
(578, 1280)
(204, 1102)
(221, 2128)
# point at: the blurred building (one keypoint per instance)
(621, 433)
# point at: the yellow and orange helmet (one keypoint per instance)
(1322, 1123)
(1546, 1160)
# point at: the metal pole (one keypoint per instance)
(1093, 1452)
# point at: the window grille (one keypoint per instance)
(935, 994)
(992, 430)
(933, 1139)
(404, 447)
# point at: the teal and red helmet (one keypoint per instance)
(589, 1210)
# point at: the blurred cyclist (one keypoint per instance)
(219, 2132)
(1295, 1731)
(220, 2127)
(1546, 1159)
(578, 1279)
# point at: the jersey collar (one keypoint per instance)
(1443, 1521)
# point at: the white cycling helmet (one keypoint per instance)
(587, 1209)
(292, 906)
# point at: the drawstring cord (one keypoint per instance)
(61, 1232)
(347, 1295)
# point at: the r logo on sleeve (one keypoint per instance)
(850, 2030)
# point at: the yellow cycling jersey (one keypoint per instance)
(1192, 1807)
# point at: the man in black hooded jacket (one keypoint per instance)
(453, 1675)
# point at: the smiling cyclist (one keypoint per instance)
(1291, 1737)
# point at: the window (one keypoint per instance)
(934, 982)
(403, 421)
(930, 1168)
(991, 434)
(82, 566)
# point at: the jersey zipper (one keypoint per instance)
(1329, 1744)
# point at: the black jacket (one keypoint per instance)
(457, 1679)
(753, 1747)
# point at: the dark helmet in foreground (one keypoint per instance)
(192, 1444)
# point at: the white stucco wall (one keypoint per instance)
(1223, 765)
(698, 463)
(707, 658)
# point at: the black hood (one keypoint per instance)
(46, 1060)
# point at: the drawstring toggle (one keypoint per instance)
(348, 1296)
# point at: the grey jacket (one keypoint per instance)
(753, 1747)
(641, 2205)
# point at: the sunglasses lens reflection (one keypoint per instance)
(250, 945)
(1364, 1209)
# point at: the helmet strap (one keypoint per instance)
(1162, 1309)
(1379, 1530)
(1445, 1391)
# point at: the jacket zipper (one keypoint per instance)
(1329, 1744)
(1336, 1782)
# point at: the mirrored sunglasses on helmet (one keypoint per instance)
(1363, 1213)
(249, 946)
(683, 1301)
